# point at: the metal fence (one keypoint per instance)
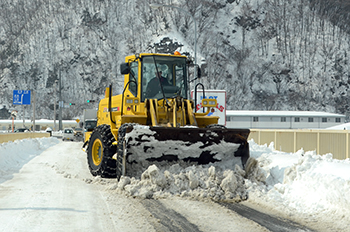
(321, 141)
(6, 137)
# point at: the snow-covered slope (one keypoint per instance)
(267, 55)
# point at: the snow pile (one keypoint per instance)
(198, 182)
(302, 182)
(316, 180)
(14, 154)
(345, 126)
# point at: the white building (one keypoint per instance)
(282, 119)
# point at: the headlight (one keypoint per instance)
(131, 101)
(209, 102)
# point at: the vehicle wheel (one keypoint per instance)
(100, 152)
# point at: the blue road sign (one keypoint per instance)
(21, 97)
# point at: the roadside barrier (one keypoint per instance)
(6, 137)
(321, 141)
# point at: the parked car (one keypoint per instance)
(21, 130)
(68, 134)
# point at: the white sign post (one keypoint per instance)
(220, 96)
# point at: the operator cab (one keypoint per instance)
(159, 74)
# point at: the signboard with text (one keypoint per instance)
(21, 97)
(220, 96)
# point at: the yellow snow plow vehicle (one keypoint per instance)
(153, 120)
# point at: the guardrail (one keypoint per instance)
(6, 137)
(321, 141)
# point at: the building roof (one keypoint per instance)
(267, 113)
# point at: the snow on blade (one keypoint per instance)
(142, 144)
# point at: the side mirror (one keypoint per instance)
(124, 68)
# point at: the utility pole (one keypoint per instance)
(23, 116)
(60, 100)
(54, 106)
(33, 111)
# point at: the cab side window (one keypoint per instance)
(133, 78)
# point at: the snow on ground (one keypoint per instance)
(14, 154)
(300, 185)
(345, 126)
(303, 184)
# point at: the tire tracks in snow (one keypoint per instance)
(168, 219)
(271, 223)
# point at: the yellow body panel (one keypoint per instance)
(156, 94)
(172, 112)
(87, 135)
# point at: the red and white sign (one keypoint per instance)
(220, 96)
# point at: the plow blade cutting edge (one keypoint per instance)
(188, 144)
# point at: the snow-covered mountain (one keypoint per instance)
(267, 54)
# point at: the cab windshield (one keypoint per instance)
(169, 72)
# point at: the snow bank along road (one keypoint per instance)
(45, 185)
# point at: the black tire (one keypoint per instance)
(100, 152)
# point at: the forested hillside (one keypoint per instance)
(267, 54)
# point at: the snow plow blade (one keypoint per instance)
(188, 144)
